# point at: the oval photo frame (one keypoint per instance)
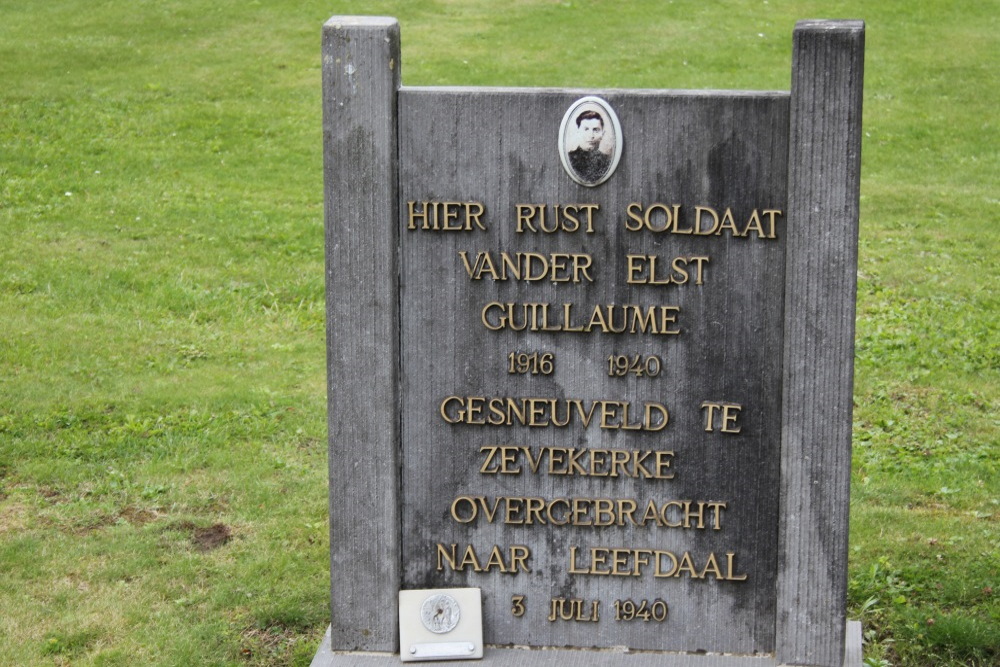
(590, 141)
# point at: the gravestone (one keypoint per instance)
(591, 352)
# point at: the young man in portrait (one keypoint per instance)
(587, 159)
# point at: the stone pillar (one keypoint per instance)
(820, 278)
(360, 82)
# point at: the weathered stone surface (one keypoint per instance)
(360, 80)
(514, 657)
(822, 257)
(715, 150)
(751, 329)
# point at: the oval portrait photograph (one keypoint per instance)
(590, 141)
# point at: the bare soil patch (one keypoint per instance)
(212, 537)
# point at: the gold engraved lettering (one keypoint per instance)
(506, 461)
(730, 557)
(651, 515)
(450, 217)
(727, 222)
(753, 224)
(517, 606)
(686, 565)
(709, 408)
(527, 266)
(626, 562)
(555, 459)
(620, 562)
(513, 515)
(551, 518)
(634, 221)
(607, 318)
(583, 511)
(656, 218)
(573, 609)
(533, 510)
(670, 218)
(691, 518)
(567, 218)
(470, 507)
(729, 413)
(700, 220)
(533, 463)
(598, 458)
(663, 514)
(544, 412)
(552, 614)
(628, 425)
(496, 560)
(643, 319)
(446, 554)
(511, 561)
(490, 511)
(445, 216)
(604, 512)
(474, 213)
(639, 463)
(663, 461)
(486, 469)
(525, 212)
(641, 270)
(585, 417)
(716, 509)
(770, 213)
(699, 217)
(659, 572)
(676, 228)
(469, 558)
(575, 467)
(648, 420)
(626, 510)
(711, 564)
(417, 215)
(619, 459)
(698, 515)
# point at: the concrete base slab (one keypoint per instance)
(528, 657)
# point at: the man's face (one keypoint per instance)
(591, 133)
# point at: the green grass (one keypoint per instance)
(162, 412)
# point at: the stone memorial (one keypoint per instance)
(591, 353)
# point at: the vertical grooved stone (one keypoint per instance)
(416, 346)
(821, 278)
(723, 149)
(360, 83)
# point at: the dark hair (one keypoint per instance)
(589, 115)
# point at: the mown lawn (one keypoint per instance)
(162, 390)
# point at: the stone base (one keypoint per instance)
(514, 657)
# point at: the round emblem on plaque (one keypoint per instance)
(590, 141)
(440, 613)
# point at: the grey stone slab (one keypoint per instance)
(853, 645)
(711, 149)
(360, 80)
(821, 278)
(770, 329)
(510, 657)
